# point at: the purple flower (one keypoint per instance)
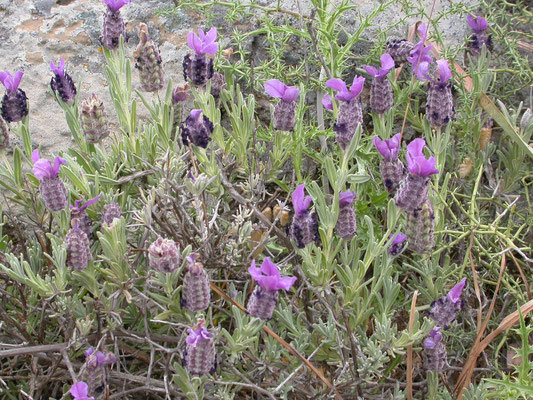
(346, 198)
(454, 295)
(326, 102)
(278, 90)
(397, 245)
(300, 202)
(198, 334)
(345, 94)
(477, 24)
(388, 148)
(58, 69)
(269, 278)
(43, 169)
(433, 339)
(80, 391)
(420, 57)
(115, 5)
(417, 162)
(387, 63)
(203, 43)
(11, 82)
(444, 70)
(80, 207)
(99, 359)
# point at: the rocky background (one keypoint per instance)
(35, 32)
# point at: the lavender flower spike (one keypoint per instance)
(196, 293)
(14, 103)
(398, 244)
(392, 169)
(285, 109)
(62, 84)
(52, 187)
(444, 310)
(480, 37)
(346, 223)
(435, 351)
(417, 162)
(196, 67)
(439, 105)
(304, 228)
(197, 129)
(264, 298)
(199, 356)
(113, 24)
(96, 363)
(381, 96)
(350, 111)
(77, 211)
(80, 391)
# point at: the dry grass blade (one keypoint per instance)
(410, 348)
(282, 342)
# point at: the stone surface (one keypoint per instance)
(35, 32)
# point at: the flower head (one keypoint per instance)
(454, 295)
(387, 63)
(99, 359)
(203, 43)
(417, 162)
(11, 82)
(268, 276)
(278, 90)
(346, 198)
(180, 93)
(420, 58)
(43, 169)
(80, 391)
(345, 94)
(388, 148)
(433, 339)
(444, 70)
(115, 5)
(198, 333)
(397, 245)
(477, 24)
(300, 201)
(79, 206)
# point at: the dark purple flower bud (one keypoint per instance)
(80, 391)
(381, 96)
(264, 298)
(93, 119)
(14, 102)
(180, 94)
(200, 353)
(96, 363)
(78, 212)
(148, 62)
(350, 111)
(78, 249)
(196, 293)
(197, 67)
(420, 54)
(414, 189)
(4, 134)
(62, 84)
(399, 50)
(52, 187)
(420, 227)
(164, 255)
(445, 310)
(346, 223)
(439, 105)
(304, 228)
(218, 82)
(113, 24)
(111, 212)
(398, 244)
(480, 37)
(196, 129)
(285, 109)
(435, 351)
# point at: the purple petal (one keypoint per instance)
(422, 72)
(57, 163)
(196, 114)
(421, 166)
(198, 334)
(286, 282)
(455, 294)
(416, 147)
(399, 238)
(254, 271)
(35, 155)
(357, 85)
(337, 84)
(477, 24)
(211, 36)
(372, 71)
(326, 102)
(388, 148)
(444, 70)
(43, 169)
(16, 80)
(300, 202)
(4, 78)
(346, 198)
(291, 93)
(58, 69)
(194, 42)
(89, 351)
(434, 338)
(387, 63)
(269, 268)
(210, 48)
(422, 29)
(115, 5)
(275, 88)
(90, 202)
(80, 390)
